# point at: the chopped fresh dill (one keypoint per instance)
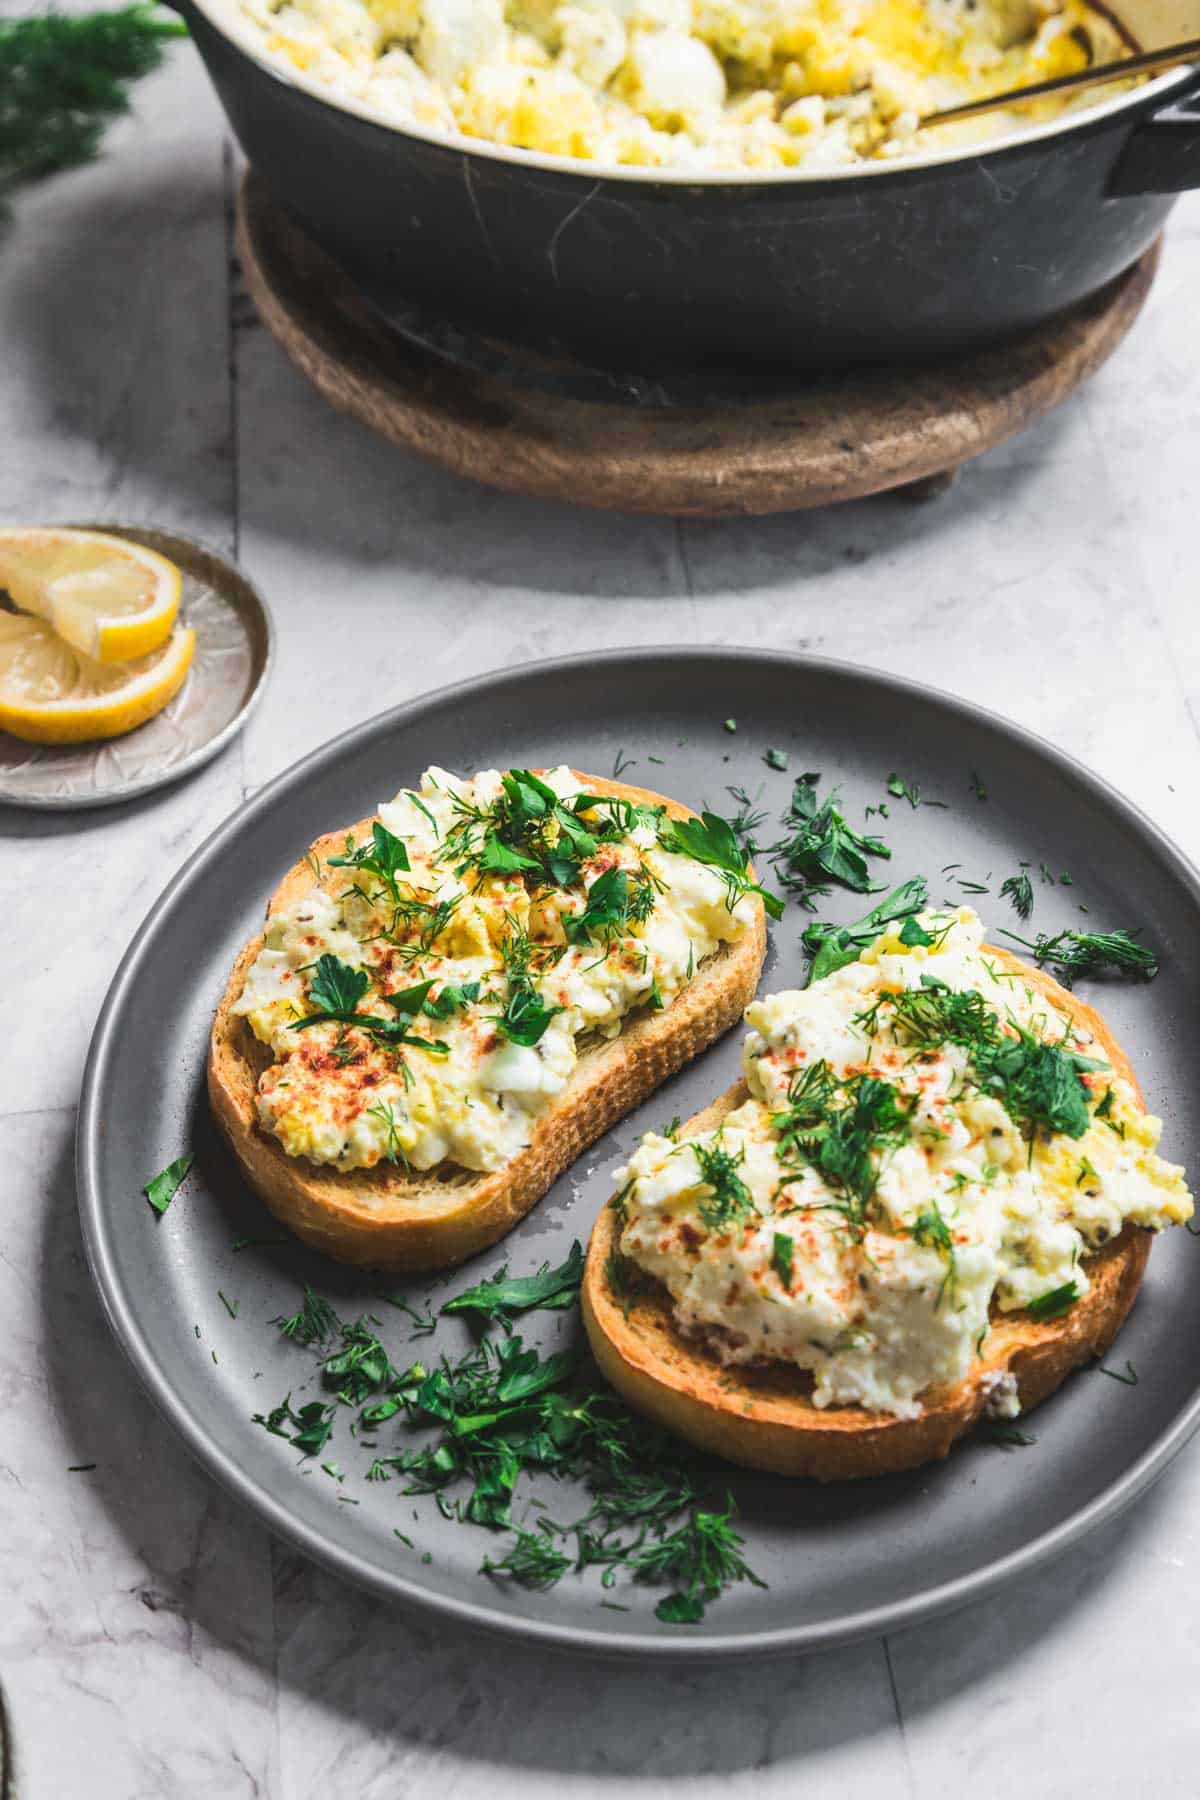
(1074, 953)
(315, 1321)
(730, 1202)
(1018, 889)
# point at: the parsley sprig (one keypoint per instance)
(384, 856)
(711, 840)
(335, 989)
(502, 1296)
(616, 900)
(527, 831)
(833, 946)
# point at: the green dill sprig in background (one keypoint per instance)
(64, 79)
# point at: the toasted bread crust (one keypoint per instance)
(382, 1218)
(765, 1419)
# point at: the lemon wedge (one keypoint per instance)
(50, 694)
(109, 598)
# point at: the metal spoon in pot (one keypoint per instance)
(1143, 63)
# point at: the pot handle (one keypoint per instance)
(1162, 153)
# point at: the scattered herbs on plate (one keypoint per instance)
(910, 791)
(823, 847)
(479, 1423)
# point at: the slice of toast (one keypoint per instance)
(764, 1417)
(385, 1218)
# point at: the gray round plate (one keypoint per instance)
(234, 650)
(842, 1562)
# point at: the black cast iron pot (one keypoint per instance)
(661, 271)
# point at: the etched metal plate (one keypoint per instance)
(843, 1561)
(234, 651)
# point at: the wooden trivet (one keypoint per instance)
(866, 432)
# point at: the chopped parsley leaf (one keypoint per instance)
(501, 1296)
(833, 946)
(163, 1187)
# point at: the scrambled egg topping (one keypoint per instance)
(426, 1000)
(927, 1139)
(703, 84)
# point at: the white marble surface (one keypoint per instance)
(153, 1641)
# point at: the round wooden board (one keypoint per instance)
(863, 433)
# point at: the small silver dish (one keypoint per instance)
(235, 647)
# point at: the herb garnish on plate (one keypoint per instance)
(502, 1412)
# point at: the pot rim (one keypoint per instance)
(225, 17)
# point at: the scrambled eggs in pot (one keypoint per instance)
(926, 1138)
(427, 999)
(693, 84)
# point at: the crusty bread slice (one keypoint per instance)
(764, 1417)
(383, 1218)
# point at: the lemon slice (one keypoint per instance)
(49, 694)
(109, 598)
